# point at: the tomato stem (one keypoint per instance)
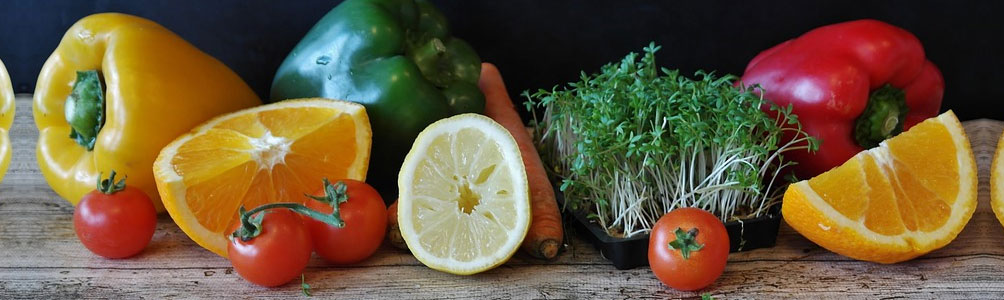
(304, 286)
(334, 194)
(109, 186)
(686, 242)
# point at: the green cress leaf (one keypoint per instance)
(634, 141)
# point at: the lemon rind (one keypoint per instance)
(518, 172)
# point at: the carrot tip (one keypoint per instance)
(548, 249)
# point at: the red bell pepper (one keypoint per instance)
(852, 85)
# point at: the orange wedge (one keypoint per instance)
(997, 182)
(909, 196)
(271, 153)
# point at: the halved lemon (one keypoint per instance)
(270, 153)
(909, 196)
(464, 202)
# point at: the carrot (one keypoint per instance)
(545, 236)
(394, 237)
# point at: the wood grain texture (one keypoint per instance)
(40, 257)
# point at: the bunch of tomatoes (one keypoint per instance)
(343, 223)
(350, 226)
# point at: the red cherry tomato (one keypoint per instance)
(365, 217)
(688, 248)
(115, 221)
(277, 255)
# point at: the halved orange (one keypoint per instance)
(909, 196)
(271, 153)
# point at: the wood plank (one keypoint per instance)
(951, 278)
(40, 257)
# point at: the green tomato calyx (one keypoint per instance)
(686, 242)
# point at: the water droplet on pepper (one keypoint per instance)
(323, 60)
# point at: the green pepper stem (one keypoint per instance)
(428, 58)
(883, 117)
(431, 49)
(84, 108)
(334, 194)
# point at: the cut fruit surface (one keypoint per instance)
(997, 181)
(909, 196)
(464, 202)
(271, 153)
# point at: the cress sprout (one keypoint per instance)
(635, 141)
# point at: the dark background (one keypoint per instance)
(538, 44)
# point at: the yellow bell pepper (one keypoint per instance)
(6, 118)
(117, 89)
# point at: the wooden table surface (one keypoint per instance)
(40, 257)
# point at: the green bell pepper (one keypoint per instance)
(397, 58)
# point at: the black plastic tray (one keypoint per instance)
(627, 253)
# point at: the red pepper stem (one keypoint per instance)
(882, 118)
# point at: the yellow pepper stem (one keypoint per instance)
(84, 108)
